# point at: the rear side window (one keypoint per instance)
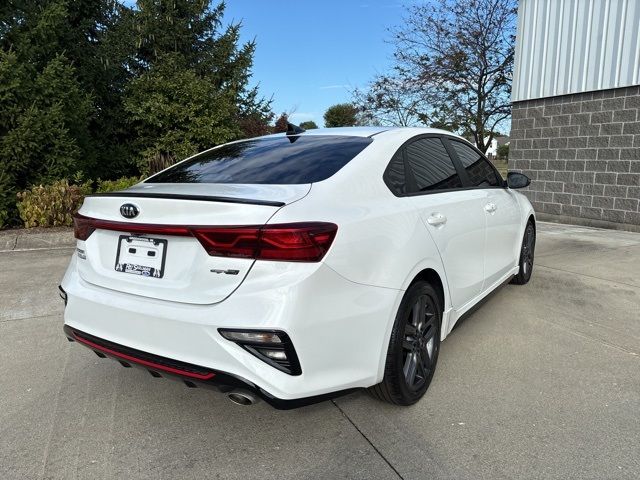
(394, 176)
(274, 160)
(479, 170)
(431, 166)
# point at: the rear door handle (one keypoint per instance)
(437, 219)
(490, 207)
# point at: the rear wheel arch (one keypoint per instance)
(422, 272)
(433, 278)
(418, 347)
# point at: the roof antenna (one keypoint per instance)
(294, 129)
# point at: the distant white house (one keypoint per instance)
(492, 151)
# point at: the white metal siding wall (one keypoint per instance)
(571, 46)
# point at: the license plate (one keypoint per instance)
(141, 256)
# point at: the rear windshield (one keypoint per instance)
(275, 160)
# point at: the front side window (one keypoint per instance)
(431, 166)
(271, 160)
(479, 170)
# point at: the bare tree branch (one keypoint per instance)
(453, 67)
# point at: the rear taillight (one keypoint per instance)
(242, 242)
(82, 227)
(297, 242)
(292, 242)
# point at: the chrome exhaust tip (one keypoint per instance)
(241, 397)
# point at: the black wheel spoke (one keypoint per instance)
(419, 367)
(429, 324)
(418, 312)
(429, 334)
(410, 368)
(425, 362)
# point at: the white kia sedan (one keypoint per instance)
(298, 266)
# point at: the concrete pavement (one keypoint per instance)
(542, 381)
(36, 239)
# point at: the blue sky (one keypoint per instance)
(310, 54)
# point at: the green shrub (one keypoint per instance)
(115, 185)
(51, 205)
(54, 205)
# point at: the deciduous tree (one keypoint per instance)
(308, 125)
(341, 115)
(281, 123)
(453, 68)
(503, 151)
(392, 101)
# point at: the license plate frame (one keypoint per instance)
(142, 256)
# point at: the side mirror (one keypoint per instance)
(517, 180)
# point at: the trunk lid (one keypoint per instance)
(188, 273)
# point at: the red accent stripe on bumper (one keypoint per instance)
(146, 363)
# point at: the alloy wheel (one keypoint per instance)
(528, 246)
(419, 346)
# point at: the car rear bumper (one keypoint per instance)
(339, 330)
(193, 376)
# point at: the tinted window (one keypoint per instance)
(431, 166)
(275, 160)
(479, 170)
(394, 175)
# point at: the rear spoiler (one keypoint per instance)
(200, 198)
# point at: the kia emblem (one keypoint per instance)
(129, 210)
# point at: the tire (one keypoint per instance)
(527, 251)
(413, 348)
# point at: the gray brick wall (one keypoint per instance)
(582, 153)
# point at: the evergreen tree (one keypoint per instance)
(89, 36)
(44, 126)
(192, 91)
(97, 88)
(174, 112)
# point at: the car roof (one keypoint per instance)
(370, 131)
(340, 131)
(347, 131)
